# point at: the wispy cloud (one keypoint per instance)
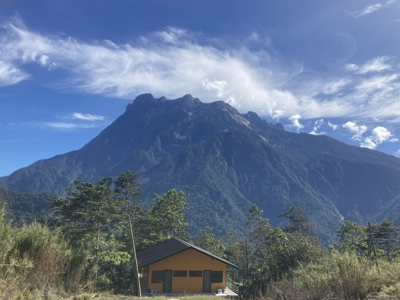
(356, 130)
(86, 117)
(333, 126)
(173, 63)
(317, 125)
(336, 86)
(66, 125)
(10, 75)
(63, 126)
(377, 64)
(368, 10)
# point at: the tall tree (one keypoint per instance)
(207, 241)
(298, 221)
(353, 237)
(166, 216)
(386, 236)
(87, 215)
(126, 189)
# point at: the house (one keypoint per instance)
(175, 266)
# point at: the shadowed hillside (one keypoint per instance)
(224, 161)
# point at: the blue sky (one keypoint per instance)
(69, 68)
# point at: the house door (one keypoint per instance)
(207, 282)
(167, 281)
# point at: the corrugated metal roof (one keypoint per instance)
(168, 248)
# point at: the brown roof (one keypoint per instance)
(168, 248)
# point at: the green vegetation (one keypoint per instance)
(87, 249)
(25, 207)
(87, 245)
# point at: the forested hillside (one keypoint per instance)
(225, 161)
(25, 207)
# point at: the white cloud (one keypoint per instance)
(277, 114)
(44, 60)
(375, 65)
(368, 143)
(86, 117)
(356, 130)
(9, 74)
(219, 86)
(172, 63)
(295, 122)
(336, 86)
(172, 35)
(111, 44)
(333, 126)
(168, 63)
(317, 125)
(368, 10)
(378, 136)
(54, 125)
(65, 125)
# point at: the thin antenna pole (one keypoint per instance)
(134, 251)
(373, 247)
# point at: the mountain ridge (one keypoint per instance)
(225, 161)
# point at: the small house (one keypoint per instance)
(175, 266)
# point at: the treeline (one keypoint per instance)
(289, 263)
(88, 246)
(25, 207)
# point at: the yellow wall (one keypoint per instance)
(189, 260)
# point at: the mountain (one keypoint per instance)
(25, 207)
(225, 161)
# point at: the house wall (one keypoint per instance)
(188, 260)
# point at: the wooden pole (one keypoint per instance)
(247, 260)
(373, 247)
(136, 263)
(134, 251)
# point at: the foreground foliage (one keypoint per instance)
(89, 246)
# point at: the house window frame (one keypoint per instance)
(152, 276)
(192, 275)
(180, 273)
(212, 277)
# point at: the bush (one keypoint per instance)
(343, 276)
(33, 261)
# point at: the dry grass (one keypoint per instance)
(107, 296)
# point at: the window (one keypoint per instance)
(216, 276)
(180, 273)
(195, 273)
(157, 276)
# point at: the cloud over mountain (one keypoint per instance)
(174, 61)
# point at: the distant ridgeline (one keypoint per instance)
(226, 161)
(25, 207)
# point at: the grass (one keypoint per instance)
(107, 296)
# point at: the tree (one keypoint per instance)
(207, 241)
(386, 235)
(353, 237)
(126, 188)
(166, 217)
(275, 252)
(298, 221)
(87, 215)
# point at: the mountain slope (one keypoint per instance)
(25, 207)
(225, 161)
